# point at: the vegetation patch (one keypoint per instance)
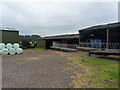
(35, 49)
(99, 73)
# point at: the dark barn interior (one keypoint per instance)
(100, 33)
(46, 42)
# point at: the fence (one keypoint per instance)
(66, 45)
(91, 45)
(100, 45)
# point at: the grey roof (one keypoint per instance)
(8, 29)
(67, 36)
(111, 25)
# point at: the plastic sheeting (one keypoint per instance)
(10, 49)
(9, 46)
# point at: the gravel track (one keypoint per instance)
(35, 69)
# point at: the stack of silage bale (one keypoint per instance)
(10, 49)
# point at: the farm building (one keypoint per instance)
(9, 35)
(47, 42)
(109, 33)
(95, 36)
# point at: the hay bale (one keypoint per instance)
(5, 51)
(9, 46)
(2, 45)
(12, 51)
(19, 50)
(16, 45)
(0, 52)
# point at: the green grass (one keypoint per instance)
(32, 45)
(35, 49)
(102, 73)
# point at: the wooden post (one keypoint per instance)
(107, 39)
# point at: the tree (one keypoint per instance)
(34, 38)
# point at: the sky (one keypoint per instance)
(56, 18)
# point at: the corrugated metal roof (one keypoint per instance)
(67, 36)
(111, 25)
(8, 29)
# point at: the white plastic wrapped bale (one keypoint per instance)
(19, 50)
(4, 51)
(9, 46)
(12, 51)
(15, 45)
(2, 45)
(0, 52)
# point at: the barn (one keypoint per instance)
(100, 36)
(107, 34)
(100, 32)
(9, 35)
(49, 41)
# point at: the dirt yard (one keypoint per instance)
(45, 69)
(35, 69)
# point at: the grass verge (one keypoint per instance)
(99, 73)
(35, 49)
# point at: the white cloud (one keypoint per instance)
(50, 18)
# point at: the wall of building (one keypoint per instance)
(85, 35)
(9, 36)
(0, 36)
(44, 43)
(41, 43)
(67, 41)
(101, 34)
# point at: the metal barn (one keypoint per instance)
(59, 40)
(107, 34)
(9, 36)
(101, 36)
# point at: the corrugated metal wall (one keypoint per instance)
(9, 36)
(44, 43)
(41, 43)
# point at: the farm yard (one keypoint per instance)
(59, 45)
(39, 68)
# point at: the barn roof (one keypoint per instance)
(111, 25)
(67, 36)
(8, 29)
